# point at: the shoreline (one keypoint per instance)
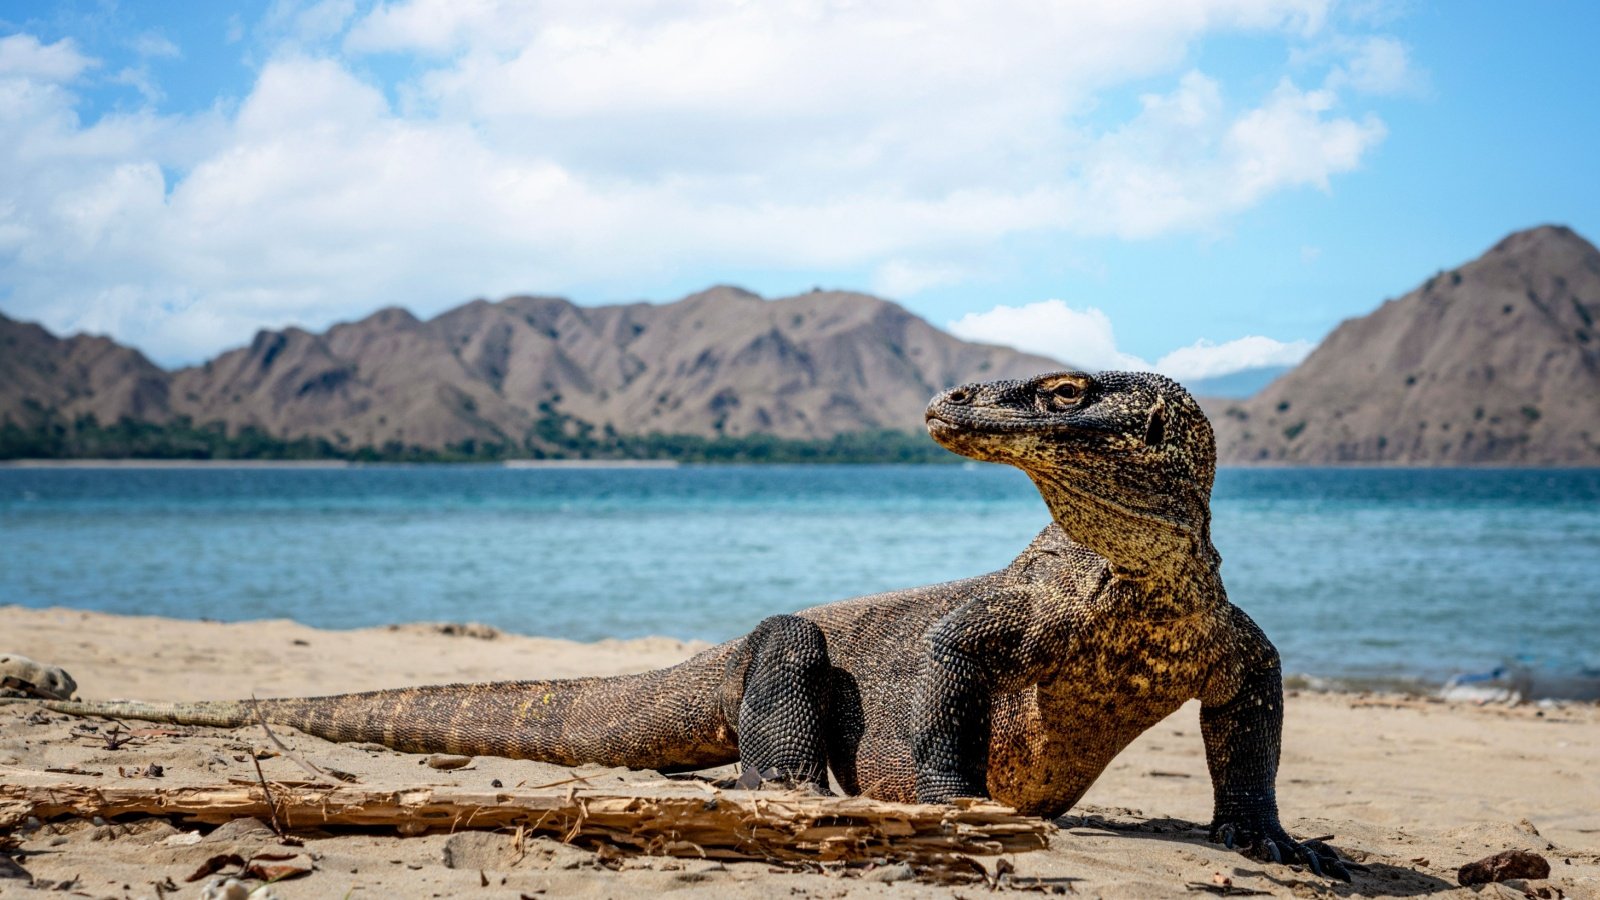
(327, 464)
(1404, 686)
(1411, 787)
(644, 463)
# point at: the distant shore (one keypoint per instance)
(1413, 788)
(175, 464)
(321, 464)
(605, 463)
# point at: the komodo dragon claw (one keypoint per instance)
(1267, 841)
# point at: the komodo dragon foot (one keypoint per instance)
(1266, 841)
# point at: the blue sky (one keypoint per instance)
(1197, 185)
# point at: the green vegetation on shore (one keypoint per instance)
(555, 436)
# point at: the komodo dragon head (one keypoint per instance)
(1124, 460)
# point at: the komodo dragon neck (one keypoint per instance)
(1125, 464)
(1165, 572)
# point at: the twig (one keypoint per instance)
(536, 787)
(295, 757)
(272, 805)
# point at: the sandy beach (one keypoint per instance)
(1411, 787)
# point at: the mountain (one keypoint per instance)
(1494, 363)
(75, 377)
(528, 372)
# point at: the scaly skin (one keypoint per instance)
(1020, 685)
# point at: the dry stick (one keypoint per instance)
(582, 778)
(739, 826)
(272, 805)
(295, 757)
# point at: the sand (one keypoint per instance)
(1411, 787)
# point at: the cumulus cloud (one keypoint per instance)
(22, 56)
(1204, 359)
(1081, 337)
(1375, 64)
(610, 146)
(1084, 337)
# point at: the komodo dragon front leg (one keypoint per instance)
(1242, 737)
(995, 644)
(776, 692)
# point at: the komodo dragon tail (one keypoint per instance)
(665, 719)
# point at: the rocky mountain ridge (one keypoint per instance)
(722, 362)
(1496, 362)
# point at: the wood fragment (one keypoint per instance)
(673, 821)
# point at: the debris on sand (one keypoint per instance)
(1504, 866)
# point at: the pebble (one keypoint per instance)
(896, 872)
(448, 761)
(227, 888)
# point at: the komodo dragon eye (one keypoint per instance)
(1060, 396)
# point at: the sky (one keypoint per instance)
(1197, 186)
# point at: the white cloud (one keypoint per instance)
(1085, 338)
(155, 46)
(1050, 328)
(609, 145)
(1373, 64)
(1204, 359)
(23, 56)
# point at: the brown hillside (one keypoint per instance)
(1497, 362)
(77, 376)
(723, 361)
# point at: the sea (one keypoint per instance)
(1364, 577)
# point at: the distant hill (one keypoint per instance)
(1495, 362)
(41, 374)
(525, 376)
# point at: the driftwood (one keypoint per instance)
(672, 819)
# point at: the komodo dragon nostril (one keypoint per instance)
(958, 395)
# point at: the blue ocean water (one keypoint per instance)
(1356, 574)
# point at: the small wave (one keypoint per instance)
(1514, 682)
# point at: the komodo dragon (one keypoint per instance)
(1020, 685)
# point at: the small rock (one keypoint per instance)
(1504, 866)
(896, 872)
(481, 850)
(448, 761)
(238, 829)
(50, 680)
(183, 839)
(221, 888)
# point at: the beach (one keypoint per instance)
(1411, 787)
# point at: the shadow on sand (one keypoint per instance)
(1376, 879)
